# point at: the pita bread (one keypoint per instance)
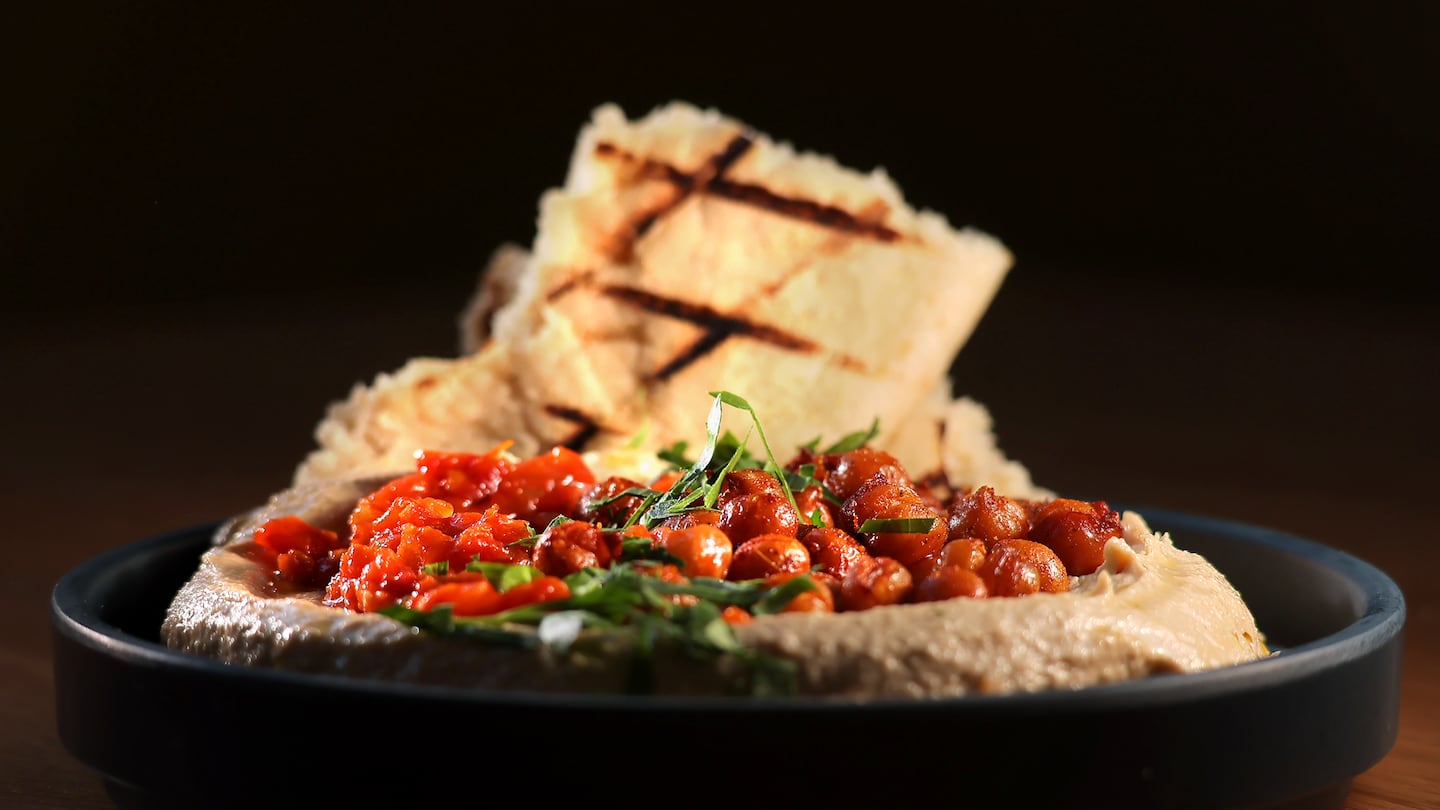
(688, 253)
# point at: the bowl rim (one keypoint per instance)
(1382, 619)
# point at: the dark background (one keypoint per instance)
(175, 153)
(216, 219)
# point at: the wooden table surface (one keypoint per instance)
(1310, 414)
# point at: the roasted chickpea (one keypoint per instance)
(668, 572)
(572, 546)
(967, 553)
(704, 550)
(749, 482)
(811, 500)
(847, 472)
(768, 554)
(988, 516)
(950, 582)
(818, 600)
(695, 517)
(833, 550)
(882, 581)
(734, 614)
(880, 500)
(1020, 567)
(752, 503)
(1077, 532)
(831, 583)
(601, 503)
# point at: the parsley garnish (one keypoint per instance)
(625, 599)
(898, 525)
(856, 440)
(771, 465)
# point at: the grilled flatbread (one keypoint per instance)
(688, 253)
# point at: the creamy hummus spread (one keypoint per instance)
(1151, 608)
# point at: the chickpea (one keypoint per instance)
(834, 551)
(831, 583)
(734, 614)
(753, 503)
(807, 456)
(818, 600)
(988, 516)
(810, 500)
(846, 472)
(967, 553)
(695, 517)
(1077, 534)
(749, 482)
(618, 510)
(768, 554)
(668, 572)
(950, 582)
(885, 501)
(704, 550)
(571, 547)
(883, 581)
(1020, 567)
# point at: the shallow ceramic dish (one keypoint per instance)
(165, 729)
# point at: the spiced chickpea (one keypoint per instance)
(829, 582)
(569, 547)
(817, 600)
(1021, 567)
(1077, 532)
(767, 555)
(671, 573)
(967, 553)
(684, 520)
(988, 516)
(752, 503)
(603, 504)
(833, 550)
(882, 581)
(704, 550)
(812, 501)
(885, 501)
(847, 472)
(950, 582)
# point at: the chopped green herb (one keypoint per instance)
(856, 440)
(436, 569)
(771, 465)
(505, 576)
(776, 599)
(898, 525)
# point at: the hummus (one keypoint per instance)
(1151, 608)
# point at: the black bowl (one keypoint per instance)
(166, 729)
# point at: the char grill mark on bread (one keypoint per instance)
(718, 327)
(685, 185)
(586, 428)
(710, 181)
(826, 215)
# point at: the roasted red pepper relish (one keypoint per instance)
(411, 540)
